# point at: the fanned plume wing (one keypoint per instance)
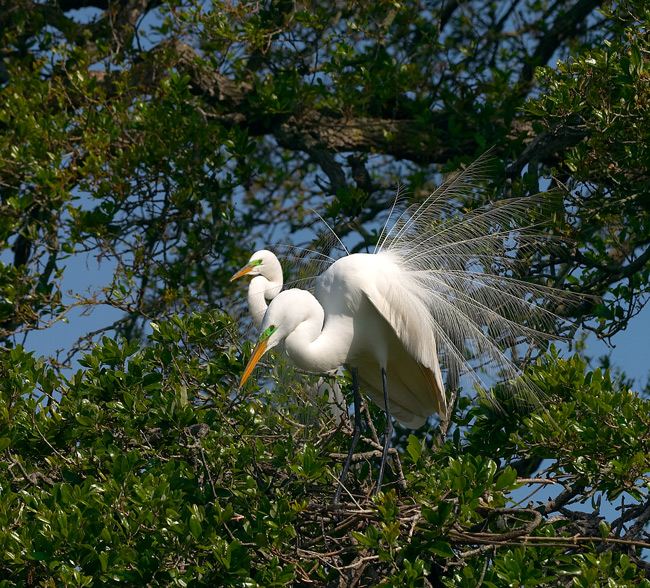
(304, 264)
(466, 269)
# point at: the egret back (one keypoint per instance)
(390, 329)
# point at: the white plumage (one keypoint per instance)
(265, 285)
(442, 287)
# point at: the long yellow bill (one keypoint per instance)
(258, 351)
(242, 272)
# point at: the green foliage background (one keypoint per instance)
(169, 140)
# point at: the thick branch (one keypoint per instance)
(562, 498)
(310, 129)
(66, 5)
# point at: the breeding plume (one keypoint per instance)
(440, 289)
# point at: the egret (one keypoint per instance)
(265, 286)
(440, 284)
(390, 353)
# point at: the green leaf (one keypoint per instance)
(604, 528)
(441, 548)
(506, 479)
(414, 448)
(85, 421)
(195, 527)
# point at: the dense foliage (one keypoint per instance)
(168, 140)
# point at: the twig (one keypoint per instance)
(640, 523)
(494, 539)
(536, 481)
(480, 580)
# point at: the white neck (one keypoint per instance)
(259, 291)
(319, 349)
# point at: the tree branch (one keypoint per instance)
(566, 25)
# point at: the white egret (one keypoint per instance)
(439, 282)
(265, 286)
(393, 354)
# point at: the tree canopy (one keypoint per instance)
(169, 140)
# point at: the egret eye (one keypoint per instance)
(269, 331)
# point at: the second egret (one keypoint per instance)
(265, 285)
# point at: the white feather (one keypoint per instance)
(442, 287)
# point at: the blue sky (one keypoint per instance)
(631, 351)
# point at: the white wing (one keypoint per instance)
(392, 328)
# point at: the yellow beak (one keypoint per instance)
(258, 351)
(242, 272)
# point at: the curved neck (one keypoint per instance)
(319, 349)
(259, 291)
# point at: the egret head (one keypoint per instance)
(267, 340)
(278, 322)
(261, 263)
(290, 312)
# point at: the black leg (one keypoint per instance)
(388, 433)
(355, 435)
